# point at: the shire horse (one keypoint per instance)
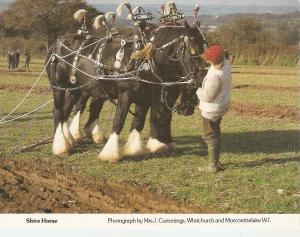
(174, 57)
(13, 58)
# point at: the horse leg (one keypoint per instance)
(160, 141)
(60, 144)
(70, 101)
(92, 126)
(111, 152)
(134, 146)
(159, 133)
(75, 124)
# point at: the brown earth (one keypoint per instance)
(13, 88)
(268, 87)
(38, 187)
(275, 112)
(266, 73)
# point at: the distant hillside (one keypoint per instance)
(262, 17)
(211, 9)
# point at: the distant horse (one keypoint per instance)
(172, 60)
(13, 58)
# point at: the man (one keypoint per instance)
(27, 58)
(214, 99)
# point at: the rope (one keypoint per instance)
(78, 50)
(30, 123)
(26, 96)
(117, 78)
(28, 113)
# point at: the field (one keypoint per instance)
(260, 154)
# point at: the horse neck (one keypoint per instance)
(164, 66)
(167, 34)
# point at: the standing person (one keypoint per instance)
(17, 55)
(27, 58)
(214, 96)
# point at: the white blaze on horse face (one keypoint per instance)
(68, 135)
(111, 152)
(134, 146)
(155, 146)
(75, 128)
(60, 145)
(93, 131)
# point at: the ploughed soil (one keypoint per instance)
(274, 112)
(14, 88)
(38, 187)
(268, 87)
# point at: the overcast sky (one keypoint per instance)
(219, 2)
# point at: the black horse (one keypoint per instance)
(174, 58)
(142, 32)
(13, 58)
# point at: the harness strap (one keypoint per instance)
(74, 64)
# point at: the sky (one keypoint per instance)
(205, 2)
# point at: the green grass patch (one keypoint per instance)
(259, 155)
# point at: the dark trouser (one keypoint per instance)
(211, 136)
(211, 131)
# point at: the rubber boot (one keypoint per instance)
(213, 156)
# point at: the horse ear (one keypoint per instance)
(188, 27)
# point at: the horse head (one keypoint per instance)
(187, 101)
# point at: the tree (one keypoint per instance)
(47, 18)
(287, 34)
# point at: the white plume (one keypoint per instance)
(109, 14)
(78, 15)
(99, 21)
(120, 7)
(135, 10)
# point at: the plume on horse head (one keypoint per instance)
(99, 22)
(169, 6)
(110, 15)
(120, 7)
(196, 13)
(80, 14)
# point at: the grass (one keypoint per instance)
(260, 155)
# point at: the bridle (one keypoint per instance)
(182, 43)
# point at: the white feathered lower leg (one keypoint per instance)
(75, 128)
(60, 144)
(68, 135)
(134, 146)
(93, 131)
(157, 147)
(111, 151)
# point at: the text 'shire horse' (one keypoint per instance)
(165, 66)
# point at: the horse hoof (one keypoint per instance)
(61, 146)
(134, 147)
(110, 152)
(93, 132)
(157, 147)
(111, 159)
(77, 138)
(99, 139)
